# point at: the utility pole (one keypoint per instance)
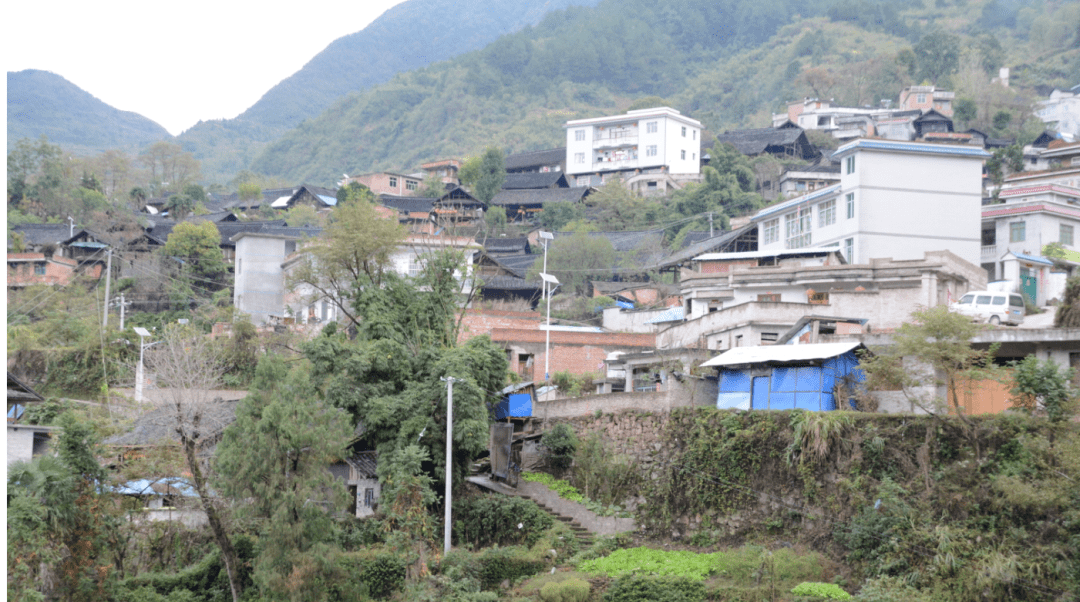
(108, 278)
(123, 304)
(710, 224)
(546, 236)
(449, 380)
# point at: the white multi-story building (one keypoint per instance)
(895, 199)
(1027, 219)
(1062, 109)
(658, 141)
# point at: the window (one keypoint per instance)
(579, 158)
(650, 128)
(369, 497)
(682, 155)
(693, 156)
(827, 213)
(684, 131)
(920, 98)
(39, 269)
(849, 250)
(1017, 231)
(769, 337)
(650, 151)
(393, 182)
(579, 135)
(849, 164)
(651, 184)
(797, 229)
(416, 266)
(1065, 237)
(770, 231)
(769, 298)
(695, 135)
(411, 184)
(850, 205)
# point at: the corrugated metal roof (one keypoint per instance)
(675, 314)
(780, 353)
(1033, 258)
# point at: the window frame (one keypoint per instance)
(797, 228)
(849, 164)
(652, 127)
(1062, 238)
(850, 202)
(1018, 231)
(579, 135)
(827, 213)
(770, 231)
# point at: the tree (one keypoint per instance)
(615, 208)
(965, 110)
(249, 192)
(58, 518)
(495, 219)
(180, 206)
(353, 252)
(937, 55)
(1068, 313)
(556, 216)
(492, 175)
(198, 246)
(577, 259)
(433, 187)
(1043, 384)
(276, 456)
(171, 168)
(188, 368)
(303, 215)
(933, 351)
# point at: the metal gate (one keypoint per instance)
(502, 435)
(1029, 285)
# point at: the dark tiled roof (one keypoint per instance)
(365, 463)
(44, 234)
(539, 158)
(227, 230)
(516, 264)
(553, 179)
(505, 245)
(540, 196)
(510, 283)
(408, 204)
(709, 245)
(625, 241)
(754, 142)
(158, 426)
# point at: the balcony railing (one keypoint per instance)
(616, 139)
(624, 164)
(989, 252)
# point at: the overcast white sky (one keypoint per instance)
(173, 62)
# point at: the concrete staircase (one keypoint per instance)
(582, 533)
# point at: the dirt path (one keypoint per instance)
(540, 493)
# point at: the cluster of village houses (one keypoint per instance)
(901, 216)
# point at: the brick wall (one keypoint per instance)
(58, 270)
(687, 393)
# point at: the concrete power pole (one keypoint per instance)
(108, 278)
(450, 380)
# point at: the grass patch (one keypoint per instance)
(740, 566)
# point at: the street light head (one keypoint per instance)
(139, 330)
(548, 278)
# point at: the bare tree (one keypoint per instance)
(188, 368)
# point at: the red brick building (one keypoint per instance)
(25, 269)
(523, 337)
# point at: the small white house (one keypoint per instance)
(1027, 219)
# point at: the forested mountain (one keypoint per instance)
(43, 103)
(727, 63)
(412, 34)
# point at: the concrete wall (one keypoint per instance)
(20, 444)
(259, 289)
(689, 392)
(631, 320)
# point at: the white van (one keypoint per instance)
(992, 306)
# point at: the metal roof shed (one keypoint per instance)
(787, 377)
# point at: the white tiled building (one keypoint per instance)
(1063, 109)
(658, 141)
(895, 199)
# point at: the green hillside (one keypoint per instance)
(40, 103)
(410, 35)
(728, 64)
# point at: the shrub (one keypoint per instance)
(888, 589)
(561, 443)
(636, 588)
(377, 573)
(492, 566)
(828, 591)
(488, 519)
(571, 590)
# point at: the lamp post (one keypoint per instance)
(143, 333)
(548, 281)
(545, 237)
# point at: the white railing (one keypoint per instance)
(989, 252)
(615, 139)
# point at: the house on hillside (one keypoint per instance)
(926, 99)
(446, 170)
(1061, 110)
(1026, 219)
(879, 208)
(801, 180)
(817, 378)
(652, 141)
(388, 182)
(24, 441)
(522, 205)
(541, 161)
(785, 142)
(522, 181)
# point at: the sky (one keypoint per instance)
(177, 63)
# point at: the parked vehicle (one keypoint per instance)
(992, 306)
